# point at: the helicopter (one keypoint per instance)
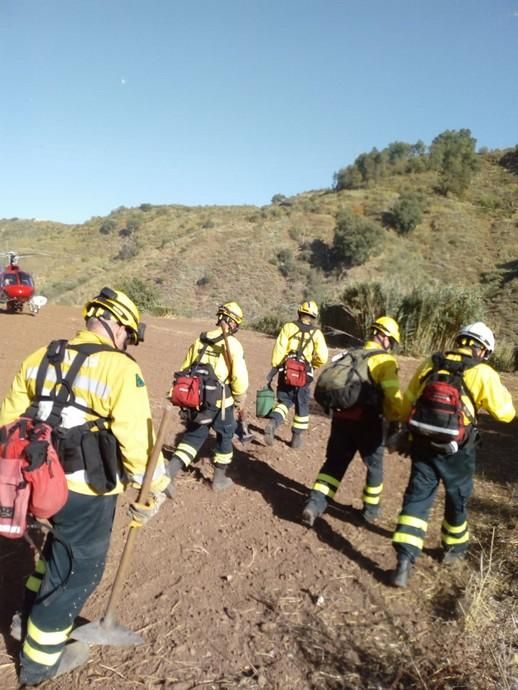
(17, 287)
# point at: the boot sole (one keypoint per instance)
(221, 486)
(399, 582)
(269, 436)
(308, 518)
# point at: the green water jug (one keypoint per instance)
(264, 401)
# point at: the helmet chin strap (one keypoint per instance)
(231, 325)
(108, 330)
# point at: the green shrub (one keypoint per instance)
(107, 226)
(126, 252)
(144, 296)
(286, 263)
(452, 153)
(356, 239)
(407, 213)
(270, 324)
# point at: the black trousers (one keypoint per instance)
(287, 397)
(346, 439)
(196, 434)
(72, 565)
(428, 470)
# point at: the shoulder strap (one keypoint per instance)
(205, 341)
(62, 394)
(361, 354)
(441, 361)
(370, 353)
(303, 329)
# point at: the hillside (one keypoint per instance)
(189, 259)
(231, 591)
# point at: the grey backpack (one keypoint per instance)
(346, 382)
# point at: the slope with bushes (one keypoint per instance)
(185, 260)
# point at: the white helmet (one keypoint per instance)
(481, 333)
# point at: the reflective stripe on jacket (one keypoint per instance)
(481, 380)
(288, 341)
(384, 372)
(110, 383)
(214, 355)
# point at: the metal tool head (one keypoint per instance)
(103, 633)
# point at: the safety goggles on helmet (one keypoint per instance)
(387, 326)
(480, 333)
(121, 308)
(310, 308)
(230, 310)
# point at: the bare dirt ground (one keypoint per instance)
(231, 591)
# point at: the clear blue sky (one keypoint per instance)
(119, 102)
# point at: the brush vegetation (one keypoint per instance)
(427, 234)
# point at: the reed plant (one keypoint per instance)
(429, 317)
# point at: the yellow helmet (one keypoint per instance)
(230, 310)
(121, 307)
(310, 308)
(388, 326)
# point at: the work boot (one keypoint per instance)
(269, 432)
(401, 574)
(167, 451)
(16, 626)
(220, 481)
(314, 508)
(371, 513)
(451, 557)
(74, 655)
(172, 469)
(297, 440)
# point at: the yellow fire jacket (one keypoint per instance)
(288, 341)
(384, 373)
(238, 381)
(482, 381)
(109, 383)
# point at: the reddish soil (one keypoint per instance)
(230, 591)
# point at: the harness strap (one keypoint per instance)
(62, 393)
(205, 344)
(303, 329)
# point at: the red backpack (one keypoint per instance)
(32, 479)
(438, 414)
(295, 366)
(198, 387)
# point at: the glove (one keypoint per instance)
(240, 401)
(242, 432)
(141, 513)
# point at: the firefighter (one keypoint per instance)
(301, 340)
(225, 353)
(361, 428)
(110, 386)
(455, 466)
